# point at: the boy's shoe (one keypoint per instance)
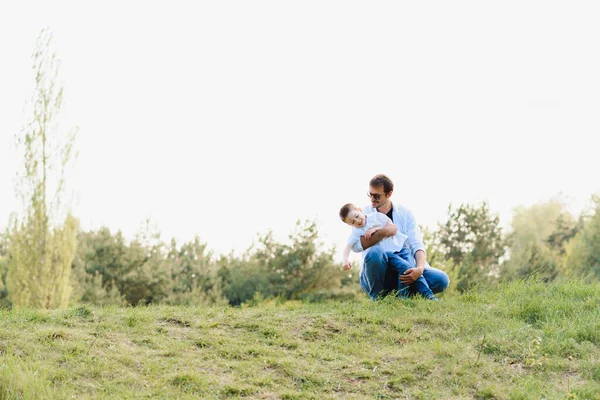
(432, 297)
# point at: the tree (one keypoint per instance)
(242, 278)
(472, 239)
(537, 240)
(583, 251)
(145, 277)
(437, 259)
(98, 265)
(192, 274)
(294, 270)
(299, 269)
(42, 238)
(534, 259)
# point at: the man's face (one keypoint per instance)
(378, 196)
(356, 219)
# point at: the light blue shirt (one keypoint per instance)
(404, 219)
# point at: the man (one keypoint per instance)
(376, 277)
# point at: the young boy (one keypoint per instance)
(367, 224)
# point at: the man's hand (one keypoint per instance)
(411, 275)
(346, 265)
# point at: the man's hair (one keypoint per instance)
(345, 210)
(382, 180)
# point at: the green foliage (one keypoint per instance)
(437, 259)
(192, 275)
(98, 265)
(583, 251)
(42, 240)
(535, 259)
(431, 240)
(565, 229)
(537, 240)
(90, 289)
(242, 278)
(573, 262)
(39, 265)
(146, 277)
(107, 270)
(298, 269)
(472, 240)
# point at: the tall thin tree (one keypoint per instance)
(42, 238)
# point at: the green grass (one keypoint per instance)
(526, 340)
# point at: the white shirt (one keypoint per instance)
(404, 219)
(376, 219)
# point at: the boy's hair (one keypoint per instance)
(382, 180)
(345, 210)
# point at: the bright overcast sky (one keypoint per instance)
(226, 119)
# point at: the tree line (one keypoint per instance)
(545, 241)
(108, 269)
(47, 261)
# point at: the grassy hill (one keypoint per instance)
(526, 340)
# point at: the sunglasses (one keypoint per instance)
(375, 196)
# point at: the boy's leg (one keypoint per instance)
(421, 286)
(400, 265)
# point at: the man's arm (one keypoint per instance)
(420, 258)
(415, 240)
(415, 237)
(389, 230)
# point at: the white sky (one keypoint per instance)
(226, 119)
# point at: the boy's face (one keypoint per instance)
(356, 218)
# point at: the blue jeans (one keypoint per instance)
(379, 276)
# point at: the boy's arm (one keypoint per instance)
(346, 263)
(371, 231)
